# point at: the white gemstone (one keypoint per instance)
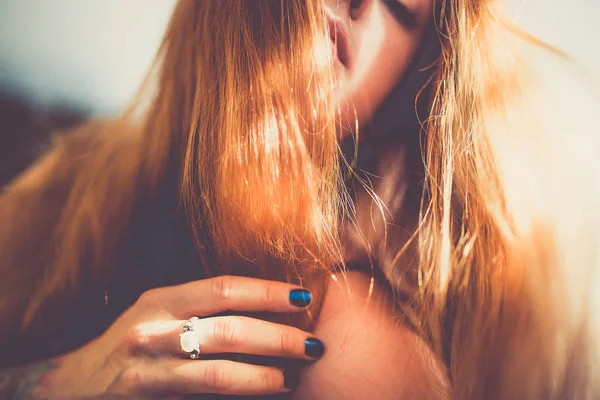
(189, 342)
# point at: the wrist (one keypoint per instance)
(28, 382)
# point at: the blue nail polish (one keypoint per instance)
(291, 379)
(300, 297)
(314, 348)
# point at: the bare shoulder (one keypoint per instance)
(369, 354)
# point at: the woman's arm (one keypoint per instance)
(370, 354)
(26, 382)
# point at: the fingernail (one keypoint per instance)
(300, 297)
(291, 379)
(314, 348)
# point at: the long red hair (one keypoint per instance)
(506, 243)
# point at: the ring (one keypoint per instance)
(189, 340)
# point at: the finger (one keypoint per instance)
(234, 334)
(211, 296)
(231, 334)
(213, 376)
(155, 338)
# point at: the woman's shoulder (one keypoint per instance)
(369, 352)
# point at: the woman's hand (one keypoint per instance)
(140, 355)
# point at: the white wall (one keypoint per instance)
(90, 52)
(571, 25)
(95, 52)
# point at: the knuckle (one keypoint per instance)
(269, 381)
(270, 293)
(137, 339)
(222, 287)
(149, 299)
(133, 378)
(286, 342)
(217, 379)
(226, 331)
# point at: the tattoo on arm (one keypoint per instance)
(26, 382)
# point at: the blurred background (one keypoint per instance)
(61, 60)
(88, 53)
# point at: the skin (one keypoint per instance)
(369, 354)
(140, 355)
(24, 382)
(375, 44)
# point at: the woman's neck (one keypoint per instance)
(386, 209)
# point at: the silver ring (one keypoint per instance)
(189, 340)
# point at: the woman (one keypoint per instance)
(233, 168)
